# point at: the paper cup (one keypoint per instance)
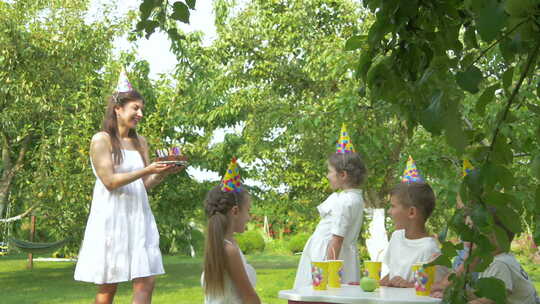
(423, 278)
(335, 272)
(319, 275)
(373, 269)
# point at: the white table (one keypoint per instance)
(353, 294)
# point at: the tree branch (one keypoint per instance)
(22, 152)
(394, 158)
(10, 170)
(496, 42)
(512, 97)
(5, 152)
(20, 216)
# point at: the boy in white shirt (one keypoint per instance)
(505, 267)
(412, 203)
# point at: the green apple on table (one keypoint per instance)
(368, 284)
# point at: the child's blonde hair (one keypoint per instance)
(216, 205)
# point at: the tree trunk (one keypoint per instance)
(9, 170)
(372, 199)
(32, 234)
(378, 198)
(394, 158)
(4, 181)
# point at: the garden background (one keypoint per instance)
(439, 80)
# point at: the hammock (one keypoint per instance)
(32, 247)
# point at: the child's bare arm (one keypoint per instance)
(334, 247)
(384, 281)
(237, 272)
(398, 281)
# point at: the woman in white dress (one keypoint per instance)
(121, 240)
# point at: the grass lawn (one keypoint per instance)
(52, 282)
(532, 269)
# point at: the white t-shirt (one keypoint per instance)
(506, 268)
(402, 253)
(341, 214)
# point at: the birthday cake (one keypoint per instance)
(172, 155)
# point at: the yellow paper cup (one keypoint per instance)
(319, 275)
(373, 269)
(423, 278)
(335, 272)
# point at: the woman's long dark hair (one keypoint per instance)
(110, 123)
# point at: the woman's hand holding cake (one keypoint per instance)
(172, 155)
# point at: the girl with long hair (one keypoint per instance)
(227, 277)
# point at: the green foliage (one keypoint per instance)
(277, 246)
(537, 217)
(469, 79)
(491, 288)
(50, 105)
(250, 242)
(441, 80)
(301, 86)
(161, 14)
(458, 58)
(297, 242)
(418, 64)
(197, 241)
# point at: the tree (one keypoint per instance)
(51, 61)
(422, 66)
(164, 15)
(283, 80)
(289, 69)
(430, 59)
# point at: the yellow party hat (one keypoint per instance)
(411, 173)
(467, 167)
(344, 144)
(231, 180)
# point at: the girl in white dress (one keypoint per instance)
(121, 240)
(227, 278)
(341, 215)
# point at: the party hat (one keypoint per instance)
(344, 144)
(231, 180)
(467, 167)
(123, 83)
(411, 173)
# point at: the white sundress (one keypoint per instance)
(121, 240)
(230, 294)
(341, 214)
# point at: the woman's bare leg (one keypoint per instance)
(105, 294)
(142, 290)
